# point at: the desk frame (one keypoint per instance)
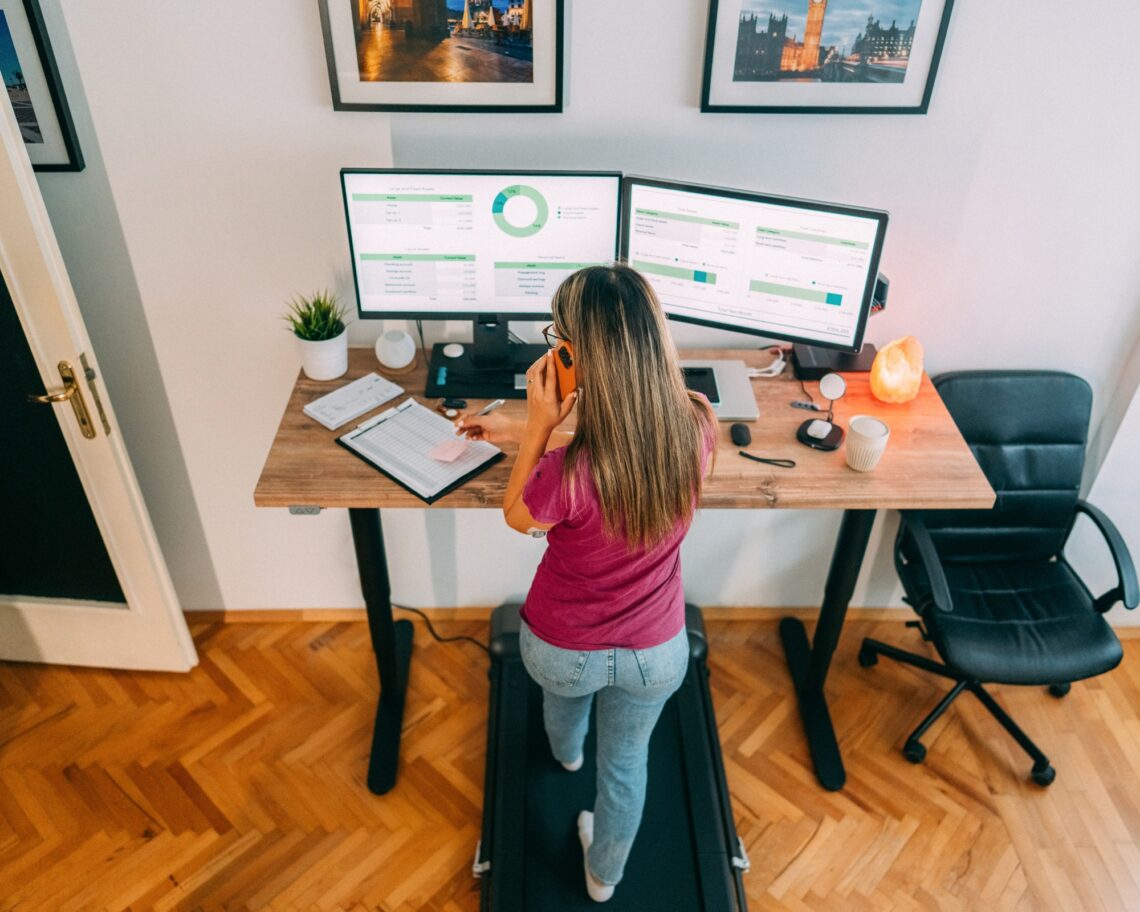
(930, 468)
(807, 664)
(391, 644)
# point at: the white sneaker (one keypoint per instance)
(599, 892)
(574, 765)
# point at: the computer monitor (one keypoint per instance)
(789, 269)
(489, 246)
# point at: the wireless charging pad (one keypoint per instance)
(820, 434)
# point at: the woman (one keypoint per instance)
(605, 614)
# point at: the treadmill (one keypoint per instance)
(686, 854)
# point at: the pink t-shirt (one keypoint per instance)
(590, 591)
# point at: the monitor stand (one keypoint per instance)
(811, 363)
(491, 367)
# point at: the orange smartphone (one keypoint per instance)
(564, 370)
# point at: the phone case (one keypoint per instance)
(564, 370)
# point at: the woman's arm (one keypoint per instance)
(514, 510)
(544, 414)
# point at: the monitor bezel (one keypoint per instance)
(880, 216)
(463, 314)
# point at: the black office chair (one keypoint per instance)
(994, 592)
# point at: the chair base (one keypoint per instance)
(1043, 773)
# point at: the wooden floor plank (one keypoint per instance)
(241, 785)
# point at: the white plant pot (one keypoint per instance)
(326, 359)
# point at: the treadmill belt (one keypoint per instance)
(682, 856)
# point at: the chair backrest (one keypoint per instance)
(1028, 430)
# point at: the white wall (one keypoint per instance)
(1012, 243)
(211, 197)
(1114, 490)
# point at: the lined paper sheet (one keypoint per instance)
(351, 401)
(400, 441)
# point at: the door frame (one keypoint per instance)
(149, 630)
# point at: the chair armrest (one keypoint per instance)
(915, 527)
(1127, 590)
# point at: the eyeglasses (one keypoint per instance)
(551, 337)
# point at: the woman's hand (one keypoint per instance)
(495, 428)
(543, 410)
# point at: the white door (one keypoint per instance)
(82, 579)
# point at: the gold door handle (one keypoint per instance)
(62, 396)
(72, 393)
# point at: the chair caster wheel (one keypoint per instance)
(1059, 690)
(914, 751)
(868, 657)
(1044, 776)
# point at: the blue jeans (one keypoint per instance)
(632, 686)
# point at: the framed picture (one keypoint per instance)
(444, 55)
(823, 56)
(34, 90)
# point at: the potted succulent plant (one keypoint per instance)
(318, 323)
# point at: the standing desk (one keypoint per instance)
(927, 465)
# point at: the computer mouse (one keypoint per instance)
(453, 350)
(740, 434)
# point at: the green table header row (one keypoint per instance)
(544, 265)
(683, 217)
(418, 257)
(411, 197)
(818, 238)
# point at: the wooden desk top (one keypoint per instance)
(926, 464)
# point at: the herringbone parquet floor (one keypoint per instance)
(239, 786)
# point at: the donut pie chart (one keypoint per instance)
(509, 193)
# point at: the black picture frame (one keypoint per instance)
(933, 29)
(38, 98)
(444, 96)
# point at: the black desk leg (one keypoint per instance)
(809, 664)
(391, 642)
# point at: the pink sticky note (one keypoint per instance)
(449, 450)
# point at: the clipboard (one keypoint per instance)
(399, 441)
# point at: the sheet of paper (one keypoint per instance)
(352, 400)
(402, 441)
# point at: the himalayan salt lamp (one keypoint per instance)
(897, 370)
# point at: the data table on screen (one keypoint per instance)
(474, 242)
(765, 266)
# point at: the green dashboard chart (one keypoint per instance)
(531, 227)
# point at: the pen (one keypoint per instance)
(490, 407)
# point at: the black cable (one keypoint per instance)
(441, 639)
(779, 463)
(804, 390)
(420, 330)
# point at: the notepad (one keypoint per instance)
(352, 400)
(400, 442)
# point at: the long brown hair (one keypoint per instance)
(640, 430)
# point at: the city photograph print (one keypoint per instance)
(32, 85)
(444, 55)
(823, 56)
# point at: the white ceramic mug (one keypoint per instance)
(866, 439)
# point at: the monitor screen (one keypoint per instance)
(456, 244)
(781, 268)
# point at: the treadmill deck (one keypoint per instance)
(683, 855)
